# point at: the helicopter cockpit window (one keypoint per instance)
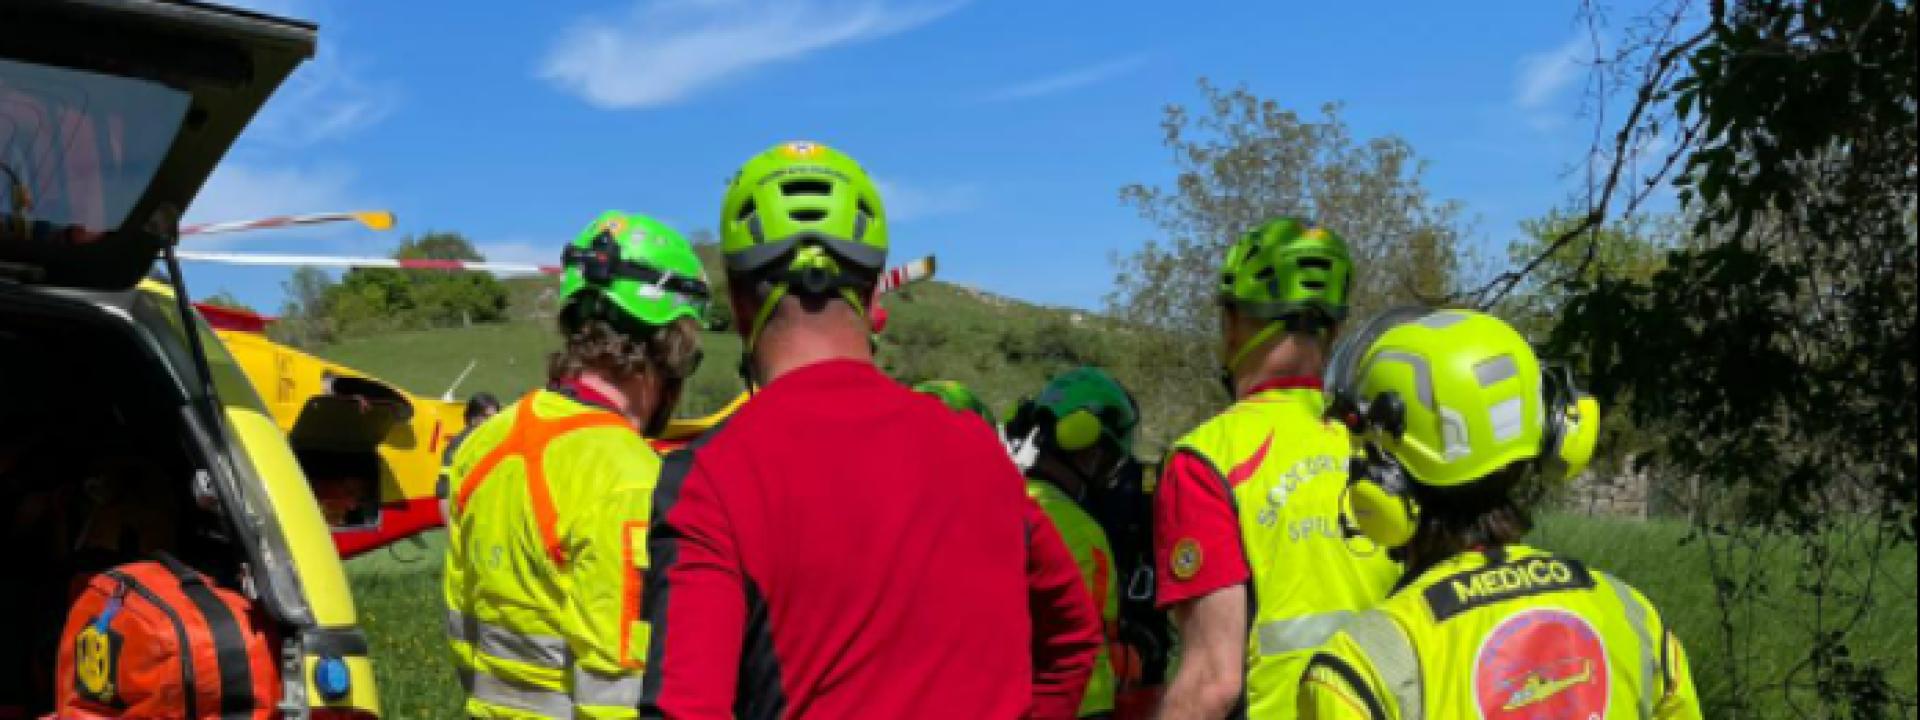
(78, 149)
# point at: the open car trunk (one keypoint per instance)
(98, 467)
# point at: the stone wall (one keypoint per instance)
(1622, 493)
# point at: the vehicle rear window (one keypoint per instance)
(78, 149)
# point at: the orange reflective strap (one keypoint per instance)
(535, 450)
(634, 535)
(507, 448)
(529, 439)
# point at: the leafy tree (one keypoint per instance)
(377, 299)
(304, 320)
(1243, 159)
(1632, 247)
(1773, 347)
(226, 299)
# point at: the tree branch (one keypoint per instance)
(1655, 79)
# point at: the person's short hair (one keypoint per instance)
(598, 346)
(481, 405)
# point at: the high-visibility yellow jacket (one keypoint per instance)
(1505, 634)
(546, 543)
(1284, 470)
(1091, 551)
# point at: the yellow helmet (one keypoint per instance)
(1453, 396)
(1473, 398)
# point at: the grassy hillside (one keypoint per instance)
(1003, 348)
(398, 587)
(509, 359)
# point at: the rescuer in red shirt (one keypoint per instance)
(843, 546)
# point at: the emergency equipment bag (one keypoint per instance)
(157, 639)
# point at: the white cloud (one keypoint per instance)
(1068, 80)
(326, 98)
(1543, 75)
(907, 202)
(666, 50)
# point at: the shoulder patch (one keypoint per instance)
(1537, 575)
(1541, 663)
(1185, 559)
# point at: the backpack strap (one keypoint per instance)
(1393, 658)
(232, 663)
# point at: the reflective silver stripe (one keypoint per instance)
(1302, 633)
(1392, 656)
(506, 693)
(1637, 617)
(1422, 373)
(592, 688)
(530, 648)
(1492, 371)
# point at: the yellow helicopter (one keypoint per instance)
(372, 450)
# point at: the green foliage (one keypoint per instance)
(377, 299)
(226, 299)
(303, 315)
(1242, 159)
(1774, 346)
(1631, 249)
(510, 359)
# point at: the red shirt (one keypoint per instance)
(1192, 513)
(843, 547)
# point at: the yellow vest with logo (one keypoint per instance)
(1504, 635)
(546, 544)
(1091, 551)
(1286, 470)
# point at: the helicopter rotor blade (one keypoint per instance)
(279, 260)
(371, 219)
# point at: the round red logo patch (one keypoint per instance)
(1542, 664)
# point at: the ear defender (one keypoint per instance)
(1572, 427)
(1377, 504)
(1383, 516)
(1079, 430)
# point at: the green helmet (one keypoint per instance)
(1465, 396)
(811, 208)
(626, 267)
(1087, 404)
(1283, 269)
(802, 194)
(1287, 266)
(958, 397)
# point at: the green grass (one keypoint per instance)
(398, 593)
(510, 360)
(1772, 636)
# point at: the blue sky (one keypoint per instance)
(1001, 130)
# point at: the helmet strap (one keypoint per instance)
(775, 294)
(1247, 348)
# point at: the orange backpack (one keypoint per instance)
(158, 640)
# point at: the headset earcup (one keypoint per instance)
(1383, 517)
(1577, 433)
(1079, 430)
